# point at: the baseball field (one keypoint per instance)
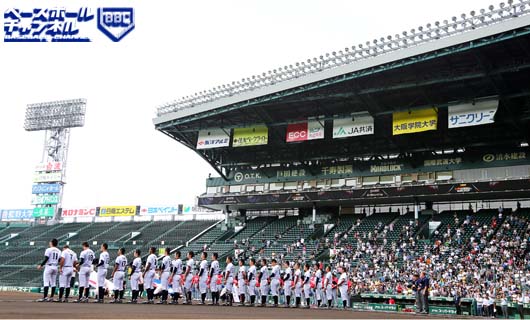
(18, 305)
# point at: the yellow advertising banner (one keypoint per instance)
(414, 121)
(253, 136)
(116, 211)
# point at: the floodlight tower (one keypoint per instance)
(56, 119)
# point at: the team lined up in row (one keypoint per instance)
(180, 276)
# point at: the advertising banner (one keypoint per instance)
(16, 214)
(46, 212)
(45, 199)
(117, 211)
(472, 114)
(310, 130)
(83, 212)
(352, 127)
(48, 177)
(213, 138)
(253, 136)
(46, 188)
(49, 166)
(414, 121)
(147, 211)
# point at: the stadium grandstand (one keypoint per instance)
(404, 154)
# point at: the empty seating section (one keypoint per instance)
(251, 228)
(22, 253)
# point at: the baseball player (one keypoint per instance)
(297, 285)
(214, 274)
(229, 280)
(342, 284)
(287, 277)
(188, 276)
(176, 277)
(102, 266)
(241, 279)
(66, 269)
(264, 282)
(275, 281)
(203, 277)
(165, 273)
(51, 260)
(149, 276)
(318, 284)
(134, 278)
(118, 275)
(251, 281)
(307, 285)
(84, 265)
(328, 285)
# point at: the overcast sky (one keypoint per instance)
(177, 48)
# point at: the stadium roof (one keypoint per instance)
(466, 59)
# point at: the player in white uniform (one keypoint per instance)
(203, 277)
(188, 276)
(51, 260)
(102, 266)
(264, 282)
(342, 284)
(318, 284)
(328, 285)
(134, 278)
(251, 281)
(118, 275)
(66, 270)
(176, 277)
(214, 275)
(307, 285)
(84, 267)
(229, 280)
(297, 285)
(275, 281)
(165, 273)
(149, 276)
(287, 277)
(241, 281)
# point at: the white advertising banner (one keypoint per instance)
(48, 177)
(352, 127)
(472, 114)
(49, 166)
(213, 138)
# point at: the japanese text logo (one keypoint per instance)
(66, 25)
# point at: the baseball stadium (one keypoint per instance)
(386, 179)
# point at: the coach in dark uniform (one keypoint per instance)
(423, 292)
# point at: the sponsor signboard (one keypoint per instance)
(46, 188)
(352, 127)
(213, 138)
(253, 136)
(117, 211)
(48, 177)
(414, 121)
(45, 199)
(49, 166)
(16, 214)
(472, 114)
(44, 212)
(442, 310)
(310, 130)
(83, 212)
(145, 211)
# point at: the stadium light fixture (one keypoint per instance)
(373, 48)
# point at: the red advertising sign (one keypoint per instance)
(296, 132)
(85, 212)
